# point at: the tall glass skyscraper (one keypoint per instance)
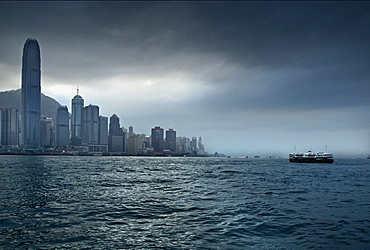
(31, 94)
(157, 139)
(116, 135)
(90, 125)
(76, 121)
(103, 130)
(171, 140)
(62, 127)
(9, 127)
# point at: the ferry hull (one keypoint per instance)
(311, 160)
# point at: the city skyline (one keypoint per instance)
(250, 78)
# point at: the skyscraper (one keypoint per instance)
(133, 143)
(116, 135)
(114, 126)
(47, 132)
(130, 130)
(90, 125)
(76, 120)
(157, 139)
(171, 140)
(103, 130)
(31, 94)
(62, 127)
(194, 145)
(200, 146)
(9, 127)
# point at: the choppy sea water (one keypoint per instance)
(58, 202)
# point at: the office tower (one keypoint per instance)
(90, 125)
(200, 146)
(193, 145)
(76, 120)
(47, 132)
(171, 140)
(157, 139)
(116, 138)
(145, 141)
(103, 130)
(124, 130)
(133, 143)
(62, 127)
(9, 127)
(31, 94)
(130, 130)
(114, 126)
(183, 144)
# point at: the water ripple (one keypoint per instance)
(182, 203)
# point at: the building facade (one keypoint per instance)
(62, 127)
(103, 130)
(90, 125)
(133, 143)
(183, 144)
(31, 94)
(9, 127)
(193, 145)
(116, 136)
(157, 139)
(171, 140)
(47, 132)
(200, 146)
(76, 119)
(130, 130)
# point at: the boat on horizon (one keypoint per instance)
(310, 157)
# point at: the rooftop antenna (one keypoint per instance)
(77, 90)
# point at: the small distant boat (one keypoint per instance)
(311, 157)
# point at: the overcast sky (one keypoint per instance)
(248, 77)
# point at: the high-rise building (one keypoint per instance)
(9, 127)
(47, 132)
(114, 126)
(171, 140)
(144, 141)
(183, 144)
(130, 130)
(157, 139)
(90, 125)
(200, 146)
(31, 94)
(194, 145)
(62, 127)
(116, 135)
(133, 143)
(76, 119)
(124, 131)
(103, 130)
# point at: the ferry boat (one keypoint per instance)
(311, 157)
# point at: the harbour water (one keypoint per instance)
(80, 202)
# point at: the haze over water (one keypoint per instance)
(182, 203)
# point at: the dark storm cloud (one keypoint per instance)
(321, 40)
(224, 60)
(252, 34)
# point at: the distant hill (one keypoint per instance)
(12, 99)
